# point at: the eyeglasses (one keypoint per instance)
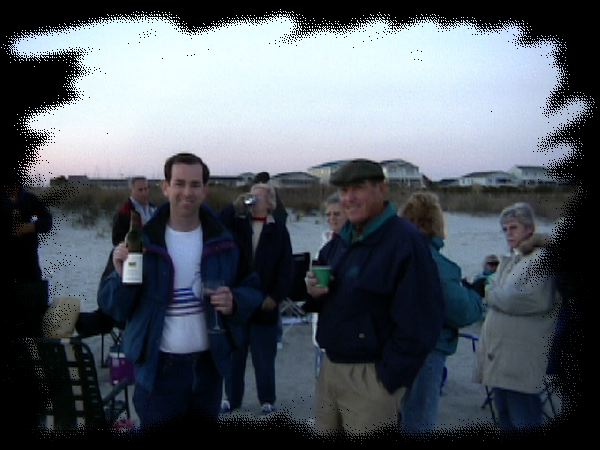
(492, 263)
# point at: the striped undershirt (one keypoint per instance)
(184, 329)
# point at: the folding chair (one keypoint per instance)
(291, 310)
(68, 382)
(99, 323)
(546, 394)
(546, 398)
(319, 352)
(116, 334)
(488, 392)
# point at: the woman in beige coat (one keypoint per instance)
(518, 328)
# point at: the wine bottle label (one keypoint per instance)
(132, 269)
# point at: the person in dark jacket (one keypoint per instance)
(139, 199)
(266, 249)
(27, 216)
(481, 280)
(381, 314)
(24, 216)
(463, 307)
(179, 362)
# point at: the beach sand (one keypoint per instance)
(460, 404)
(73, 259)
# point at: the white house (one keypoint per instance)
(324, 171)
(246, 178)
(532, 175)
(395, 170)
(402, 172)
(492, 178)
(448, 182)
(224, 180)
(294, 179)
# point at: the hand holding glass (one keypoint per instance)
(209, 287)
(323, 274)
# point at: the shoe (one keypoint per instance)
(267, 408)
(225, 407)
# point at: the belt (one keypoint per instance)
(184, 357)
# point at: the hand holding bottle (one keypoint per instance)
(120, 254)
(133, 265)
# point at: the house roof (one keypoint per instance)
(329, 164)
(397, 161)
(294, 174)
(486, 174)
(540, 168)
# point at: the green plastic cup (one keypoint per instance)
(323, 273)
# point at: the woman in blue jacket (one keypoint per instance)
(463, 307)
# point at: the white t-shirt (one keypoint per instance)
(184, 329)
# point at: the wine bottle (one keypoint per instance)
(133, 266)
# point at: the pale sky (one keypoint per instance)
(253, 96)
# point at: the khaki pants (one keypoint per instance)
(350, 397)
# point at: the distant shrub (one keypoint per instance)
(92, 202)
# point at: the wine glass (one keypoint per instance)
(209, 287)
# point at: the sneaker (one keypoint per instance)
(267, 408)
(225, 407)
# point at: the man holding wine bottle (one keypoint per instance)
(179, 339)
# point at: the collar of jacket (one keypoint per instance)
(211, 227)
(349, 230)
(437, 242)
(135, 204)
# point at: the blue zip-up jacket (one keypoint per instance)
(385, 303)
(463, 305)
(143, 307)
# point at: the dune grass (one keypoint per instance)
(90, 203)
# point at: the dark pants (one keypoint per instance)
(186, 387)
(517, 409)
(421, 402)
(26, 309)
(95, 323)
(262, 340)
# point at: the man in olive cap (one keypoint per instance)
(382, 312)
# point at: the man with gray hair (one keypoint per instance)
(139, 199)
(382, 312)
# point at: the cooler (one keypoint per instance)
(119, 367)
